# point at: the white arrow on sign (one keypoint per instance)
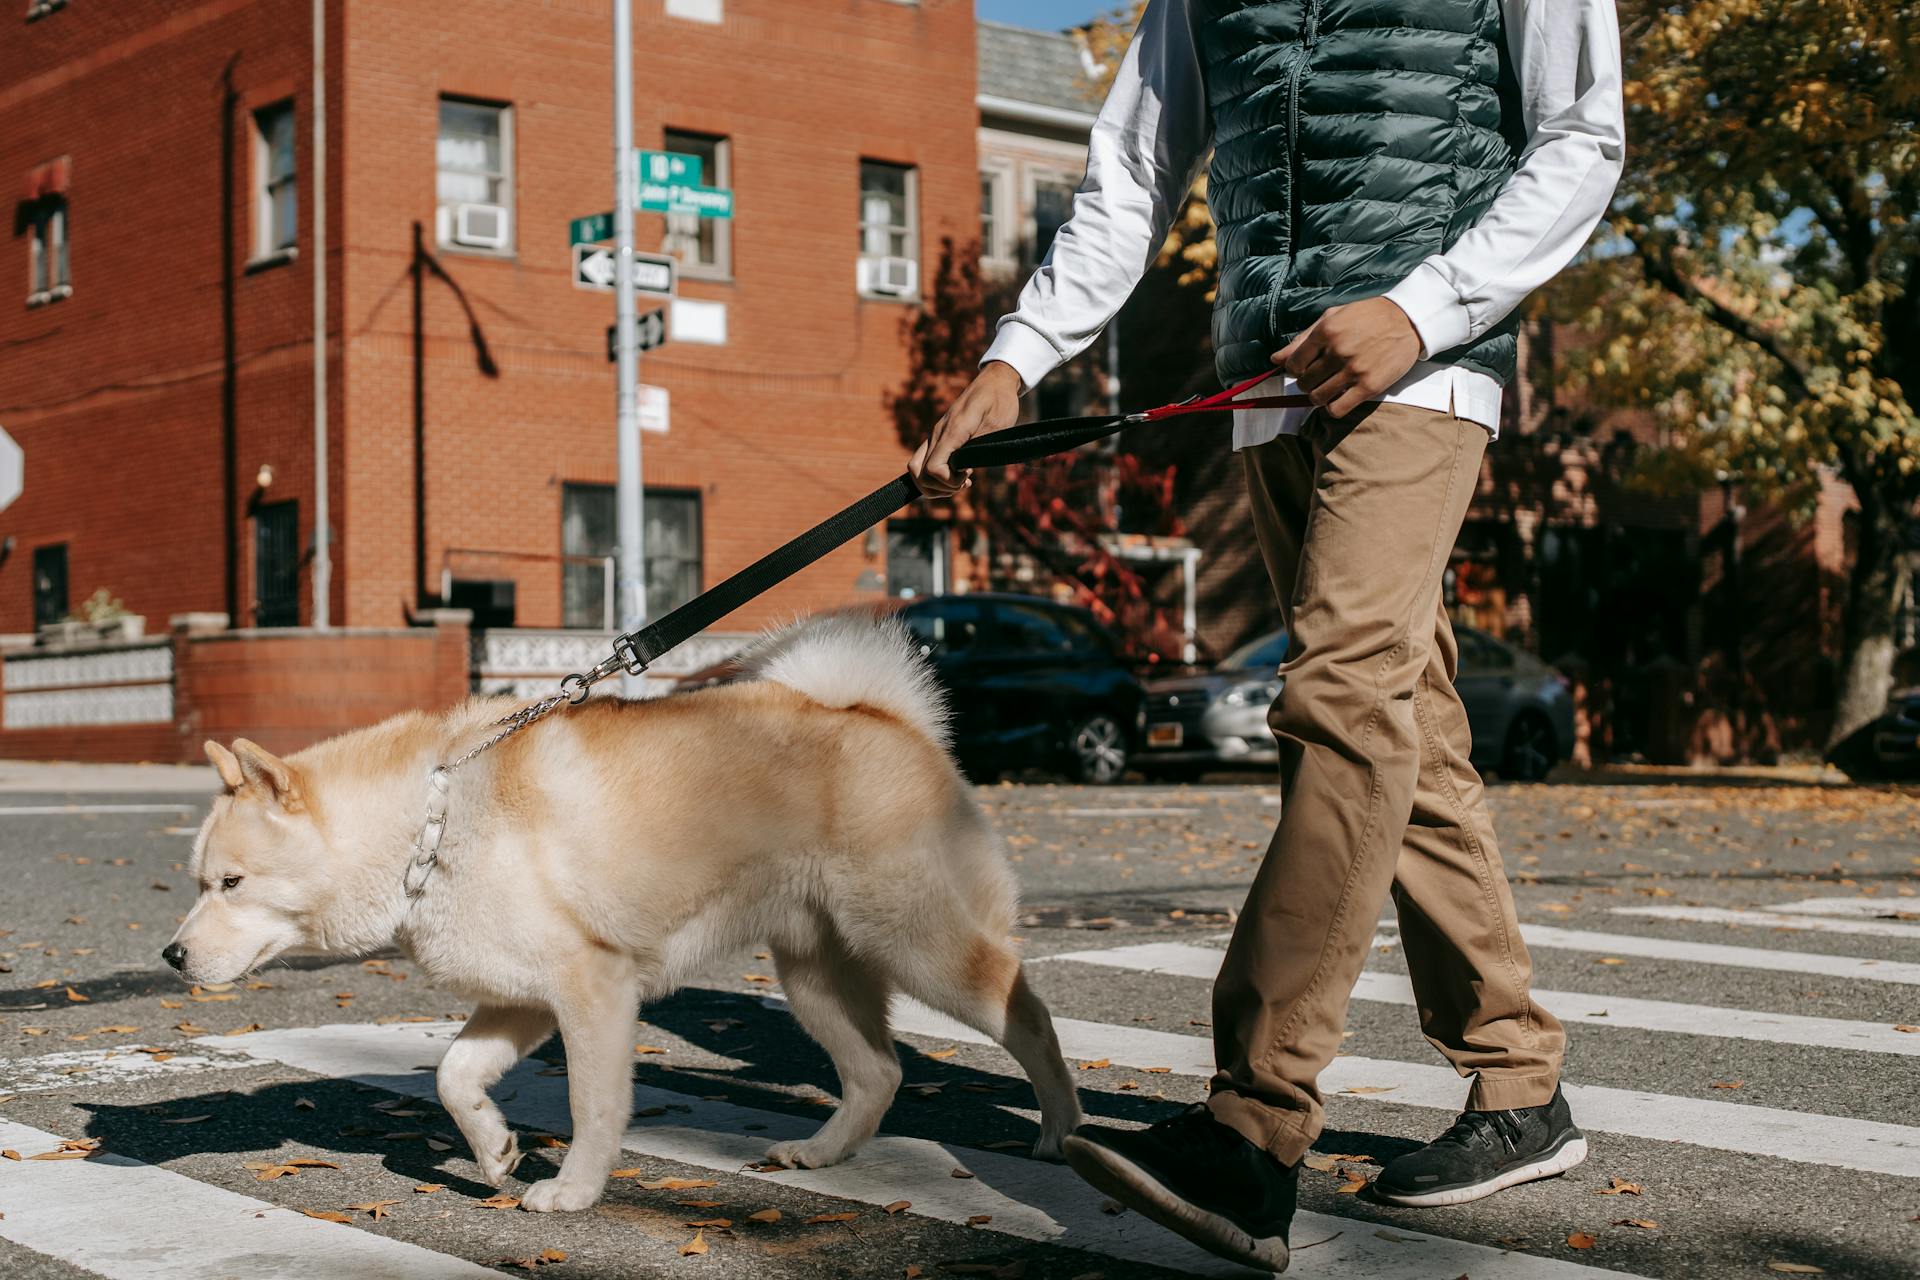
(594, 268)
(13, 470)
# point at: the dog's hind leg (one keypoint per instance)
(596, 1006)
(987, 989)
(842, 1003)
(493, 1039)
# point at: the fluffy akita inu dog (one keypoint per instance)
(594, 859)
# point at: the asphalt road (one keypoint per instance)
(1743, 1072)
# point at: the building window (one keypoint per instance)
(588, 536)
(993, 222)
(673, 549)
(50, 601)
(48, 280)
(276, 565)
(703, 245)
(1052, 206)
(916, 558)
(276, 195)
(889, 231)
(475, 183)
(587, 532)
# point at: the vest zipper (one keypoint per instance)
(1295, 170)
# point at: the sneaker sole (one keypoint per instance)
(1571, 1152)
(1139, 1190)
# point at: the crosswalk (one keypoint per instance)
(174, 1222)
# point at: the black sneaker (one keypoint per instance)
(1196, 1176)
(1485, 1152)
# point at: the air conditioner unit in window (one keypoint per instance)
(892, 277)
(483, 226)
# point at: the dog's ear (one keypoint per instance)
(268, 774)
(229, 767)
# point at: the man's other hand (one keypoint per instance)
(1351, 354)
(990, 402)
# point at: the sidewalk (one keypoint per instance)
(18, 776)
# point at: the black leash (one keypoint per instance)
(1028, 442)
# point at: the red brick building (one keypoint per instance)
(159, 370)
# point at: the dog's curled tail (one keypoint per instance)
(854, 658)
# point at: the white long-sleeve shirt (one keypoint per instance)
(1155, 130)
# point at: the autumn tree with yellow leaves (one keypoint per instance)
(1758, 285)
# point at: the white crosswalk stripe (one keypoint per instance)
(166, 1226)
(1774, 919)
(1025, 1198)
(1569, 1006)
(1554, 938)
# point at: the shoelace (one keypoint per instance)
(1484, 1127)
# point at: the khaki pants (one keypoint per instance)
(1356, 519)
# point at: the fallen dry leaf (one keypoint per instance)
(698, 1204)
(718, 1224)
(327, 1215)
(172, 1004)
(948, 1053)
(1645, 1224)
(912, 1272)
(667, 1184)
(1371, 1088)
(1156, 1071)
(898, 1206)
(190, 1029)
(1581, 1240)
(830, 1217)
(377, 1208)
(428, 1188)
(695, 1246)
(962, 1173)
(1901, 1026)
(9, 1154)
(646, 1048)
(1619, 1187)
(1797, 1268)
(1729, 1084)
(75, 997)
(1096, 1064)
(499, 1202)
(979, 1219)
(756, 977)
(764, 1215)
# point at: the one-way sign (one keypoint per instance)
(649, 331)
(594, 268)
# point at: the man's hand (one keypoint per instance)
(990, 402)
(1351, 354)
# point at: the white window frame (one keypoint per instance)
(677, 224)
(1001, 253)
(911, 230)
(506, 178)
(49, 266)
(265, 185)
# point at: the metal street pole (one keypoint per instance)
(322, 513)
(628, 494)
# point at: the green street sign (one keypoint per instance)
(591, 229)
(668, 166)
(674, 197)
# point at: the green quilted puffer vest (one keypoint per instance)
(1352, 139)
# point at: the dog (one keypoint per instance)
(592, 860)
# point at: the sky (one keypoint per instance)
(1046, 15)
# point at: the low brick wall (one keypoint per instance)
(283, 688)
(287, 689)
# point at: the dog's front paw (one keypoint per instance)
(496, 1168)
(1049, 1148)
(807, 1155)
(557, 1195)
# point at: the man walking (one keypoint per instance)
(1389, 179)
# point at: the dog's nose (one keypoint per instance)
(174, 954)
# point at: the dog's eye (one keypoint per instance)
(228, 882)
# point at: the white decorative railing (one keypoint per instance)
(121, 684)
(526, 662)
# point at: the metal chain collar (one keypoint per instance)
(573, 690)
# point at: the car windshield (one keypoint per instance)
(1263, 654)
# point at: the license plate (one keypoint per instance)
(1164, 735)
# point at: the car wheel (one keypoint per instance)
(1097, 750)
(1531, 749)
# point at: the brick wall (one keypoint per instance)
(117, 392)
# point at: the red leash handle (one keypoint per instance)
(1229, 399)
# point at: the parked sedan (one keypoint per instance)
(1031, 683)
(1518, 707)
